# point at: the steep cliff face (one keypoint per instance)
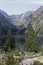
(37, 21)
(5, 24)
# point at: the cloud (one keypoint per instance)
(36, 1)
(19, 6)
(31, 1)
(23, 1)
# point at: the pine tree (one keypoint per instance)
(31, 43)
(1, 49)
(10, 42)
(17, 38)
(0, 45)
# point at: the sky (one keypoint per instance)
(19, 6)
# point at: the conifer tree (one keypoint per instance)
(10, 42)
(31, 43)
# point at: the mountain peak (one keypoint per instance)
(3, 13)
(38, 11)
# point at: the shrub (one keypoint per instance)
(37, 63)
(1, 63)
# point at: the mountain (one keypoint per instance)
(19, 23)
(7, 21)
(37, 21)
(20, 19)
(5, 24)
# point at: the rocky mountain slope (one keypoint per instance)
(14, 21)
(20, 19)
(37, 21)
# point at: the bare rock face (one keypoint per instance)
(31, 61)
(37, 21)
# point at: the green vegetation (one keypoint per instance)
(37, 63)
(0, 46)
(16, 41)
(11, 47)
(16, 52)
(31, 44)
(1, 63)
(42, 49)
(10, 42)
(10, 60)
(21, 56)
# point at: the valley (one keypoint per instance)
(21, 37)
